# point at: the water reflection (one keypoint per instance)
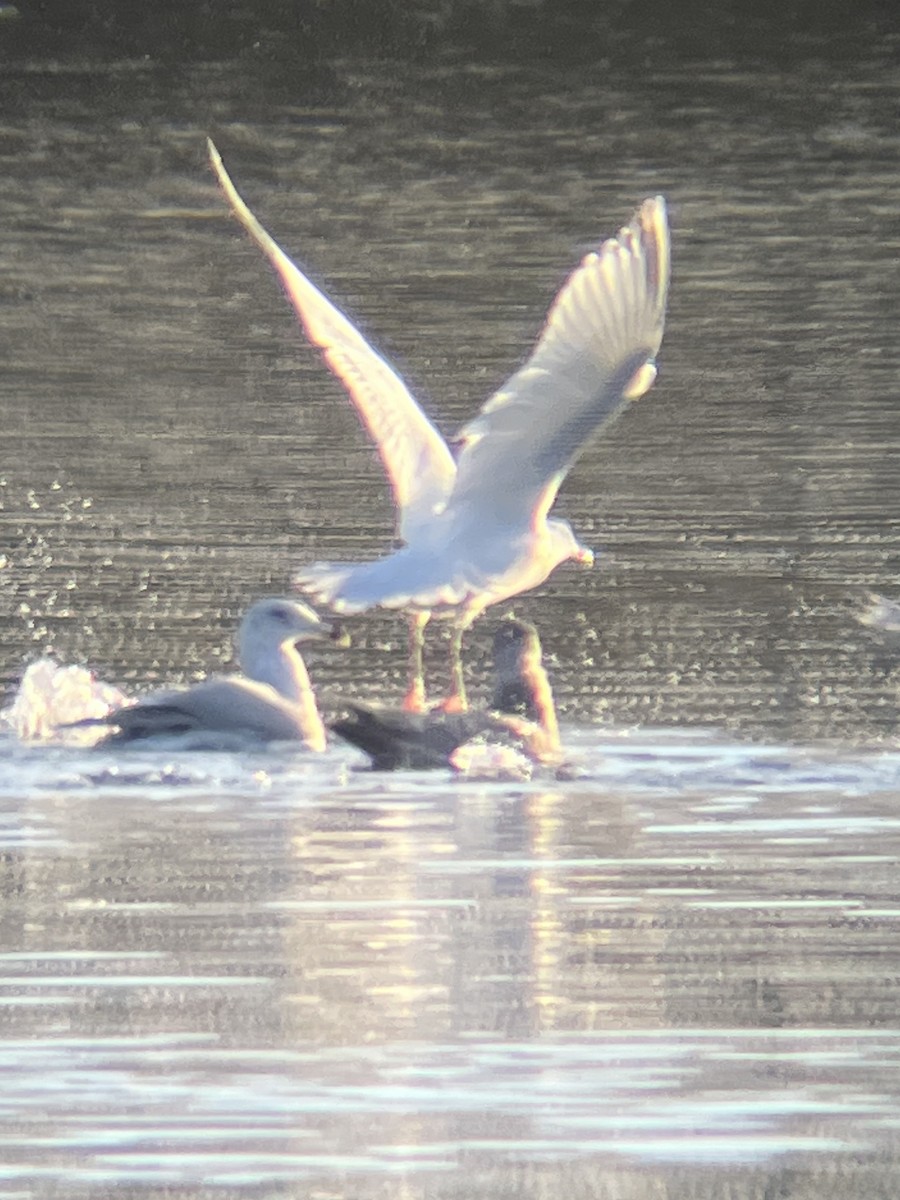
(613, 1103)
(369, 975)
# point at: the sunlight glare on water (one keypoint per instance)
(248, 975)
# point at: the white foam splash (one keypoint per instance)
(51, 696)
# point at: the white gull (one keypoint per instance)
(475, 524)
(271, 701)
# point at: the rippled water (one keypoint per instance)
(242, 972)
(173, 450)
(674, 972)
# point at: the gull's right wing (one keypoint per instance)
(596, 352)
(418, 464)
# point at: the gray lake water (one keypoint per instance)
(675, 973)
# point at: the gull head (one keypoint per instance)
(277, 622)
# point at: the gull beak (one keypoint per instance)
(584, 557)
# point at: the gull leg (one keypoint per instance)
(456, 702)
(414, 700)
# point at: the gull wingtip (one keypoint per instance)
(654, 216)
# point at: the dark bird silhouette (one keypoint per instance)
(521, 706)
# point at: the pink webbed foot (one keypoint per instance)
(414, 700)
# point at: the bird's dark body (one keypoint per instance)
(396, 740)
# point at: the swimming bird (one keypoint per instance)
(475, 524)
(271, 701)
(398, 740)
(521, 705)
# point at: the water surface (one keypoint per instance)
(675, 972)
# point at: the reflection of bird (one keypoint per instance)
(271, 701)
(522, 700)
(476, 529)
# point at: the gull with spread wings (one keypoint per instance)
(475, 522)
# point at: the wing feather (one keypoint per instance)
(418, 464)
(595, 352)
(215, 705)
